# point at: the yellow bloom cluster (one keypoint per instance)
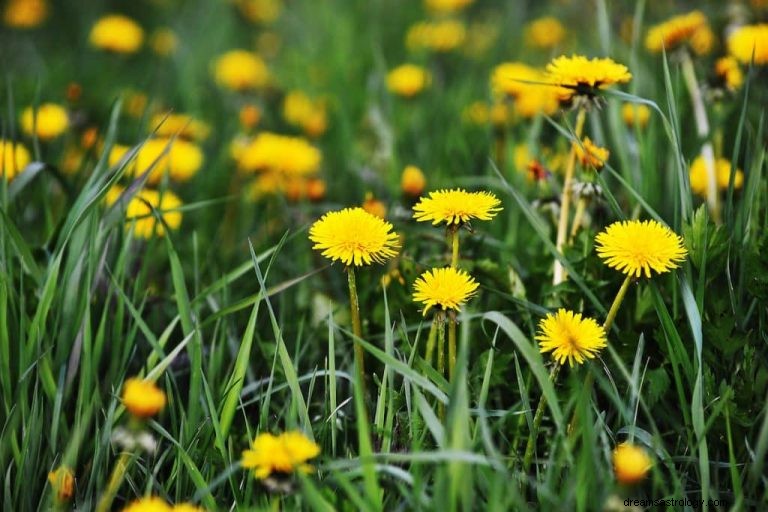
(25, 14)
(447, 288)
(179, 158)
(528, 87)
(750, 40)
(14, 157)
(407, 80)
(691, 28)
(283, 454)
(437, 36)
(139, 211)
(570, 337)
(354, 237)
(700, 180)
(591, 155)
(117, 33)
(545, 33)
(46, 122)
(241, 70)
(142, 398)
(306, 113)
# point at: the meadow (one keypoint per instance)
(383, 255)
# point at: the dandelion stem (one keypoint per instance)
(451, 344)
(440, 318)
(357, 330)
(565, 199)
(431, 339)
(115, 479)
(454, 232)
(530, 446)
(581, 208)
(616, 304)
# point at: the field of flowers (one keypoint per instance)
(383, 255)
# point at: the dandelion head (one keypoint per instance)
(580, 76)
(407, 80)
(590, 154)
(412, 181)
(446, 288)
(14, 157)
(637, 247)
(750, 40)
(456, 207)
(545, 33)
(241, 70)
(117, 33)
(46, 122)
(142, 398)
(570, 337)
(635, 114)
(62, 482)
(631, 463)
(354, 237)
(283, 454)
(691, 28)
(699, 177)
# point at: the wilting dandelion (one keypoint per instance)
(62, 482)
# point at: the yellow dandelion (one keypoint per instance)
(447, 288)
(591, 155)
(260, 11)
(412, 181)
(179, 158)
(631, 463)
(241, 70)
(407, 80)
(284, 454)
(142, 398)
(635, 247)
(62, 482)
(187, 507)
(25, 14)
(447, 6)
(374, 206)
(438, 36)
(355, 237)
(279, 153)
(14, 157)
(249, 116)
(46, 122)
(168, 124)
(457, 206)
(139, 215)
(727, 69)
(544, 33)
(117, 33)
(149, 504)
(316, 189)
(635, 114)
(691, 28)
(524, 84)
(582, 76)
(570, 337)
(748, 40)
(306, 113)
(700, 180)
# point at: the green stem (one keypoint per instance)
(616, 304)
(357, 330)
(454, 231)
(440, 316)
(431, 339)
(115, 479)
(581, 208)
(451, 344)
(530, 446)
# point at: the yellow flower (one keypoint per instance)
(407, 80)
(691, 28)
(168, 124)
(284, 454)
(630, 463)
(374, 206)
(748, 39)
(527, 86)
(448, 288)
(728, 70)
(14, 157)
(316, 189)
(250, 115)
(700, 180)
(438, 36)
(583, 76)
(25, 13)
(260, 11)
(635, 114)
(164, 42)
(412, 181)
(139, 213)
(279, 153)
(446, 6)
(457, 206)
(187, 507)
(177, 157)
(306, 113)
(570, 337)
(117, 33)
(545, 33)
(63, 483)
(150, 504)
(635, 247)
(355, 237)
(142, 398)
(591, 155)
(241, 70)
(47, 122)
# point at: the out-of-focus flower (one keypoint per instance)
(62, 482)
(481, 36)
(135, 103)
(354, 237)
(164, 42)
(14, 157)
(74, 92)
(250, 115)
(456, 207)
(89, 138)
(374, 206)
(141, 397)
(590, 155)
(306, 113)
(283, 454)
(580, 76)
(117, 33)
(446, 6)
(25, 14)
(748, 40)
(636, 247)
(179, 158)
(438, 36)
(570, 337)
(631, 463)
(545, 33)
(46, 122)
(280, 153)
(447, 288)
(144, 397)
(316, 189)
(528, 87)
(691, 28)
(407, 80)
(700, 180)
(412, 181)
(728, 70)
(241, 70)
(635, 114)
(167, 124)
(263, 12)
(149, 504)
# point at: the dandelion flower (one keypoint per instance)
(306, 113)
(47, 121)
(168, 124)
(262, 12)
(448, 288)
(635, 114)
(630, 463)
(316, 189)
(149, 504)
(749, 39)
(283, 454)
(374, 206)
(62, 482)
(117, 33)
(728, 71)
(523, 84)
(544, 33)
(25, 14)
(179, 158)
(14, 157)
(437, 36)
(354, 236)
(407, 80)
(583, 76)
(591, 155)
(691, 28)
(700, 180)
(139, 213)
(446, 6)
(636, 247)
(570, 337)
(241, 70)
(142, 398)
(293, 156)
(249, 116)
(457, 206)
(412, 181)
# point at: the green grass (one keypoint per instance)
(248, 330)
